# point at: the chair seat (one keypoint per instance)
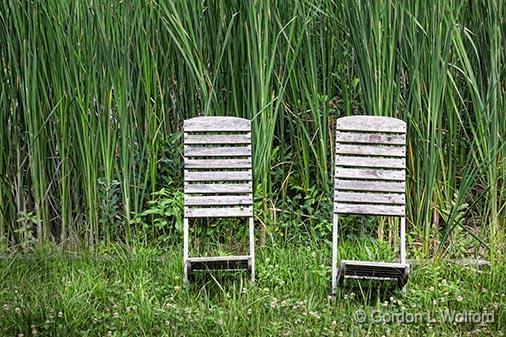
(370, 270)
(224, 263)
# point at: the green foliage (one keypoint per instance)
(163, 217)
(94, 95)
(122, 292)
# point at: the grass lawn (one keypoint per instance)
(140, 294)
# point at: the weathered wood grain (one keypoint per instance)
(218, 188)
(369, 173)
(218, 176)
(373, 186)
(371, 123)
(217, 139)
(211, 124)
(371, 209)
(373, 162)
(370, 150)
(370, 198)
(217, 163)
(370, 138)
(222, 151)
(221, 200)
(221, 212)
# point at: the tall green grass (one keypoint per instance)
(93, 91)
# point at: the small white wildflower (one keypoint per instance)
(459, 298)
(60, 314)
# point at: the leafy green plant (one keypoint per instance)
(163, 218)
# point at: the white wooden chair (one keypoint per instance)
(218, 183)
(370, 179)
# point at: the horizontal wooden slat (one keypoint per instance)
(372, 198)
(218, 176)
(217, 163)
(373, 186)
(371, 123)
(371, 150)
(372, 174)
(218, 139)
(218, 200)
(219, 258)
(370, 138)
(371, 162)
(217, 151)
(226, 212)
(369, 209)
(218, 188)
(200, 124)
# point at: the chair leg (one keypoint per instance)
(185, 250)
(252, 247)
(334, 254)
(402, 234)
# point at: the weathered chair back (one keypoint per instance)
(370, 166)
(217, 175)
(218, 179)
